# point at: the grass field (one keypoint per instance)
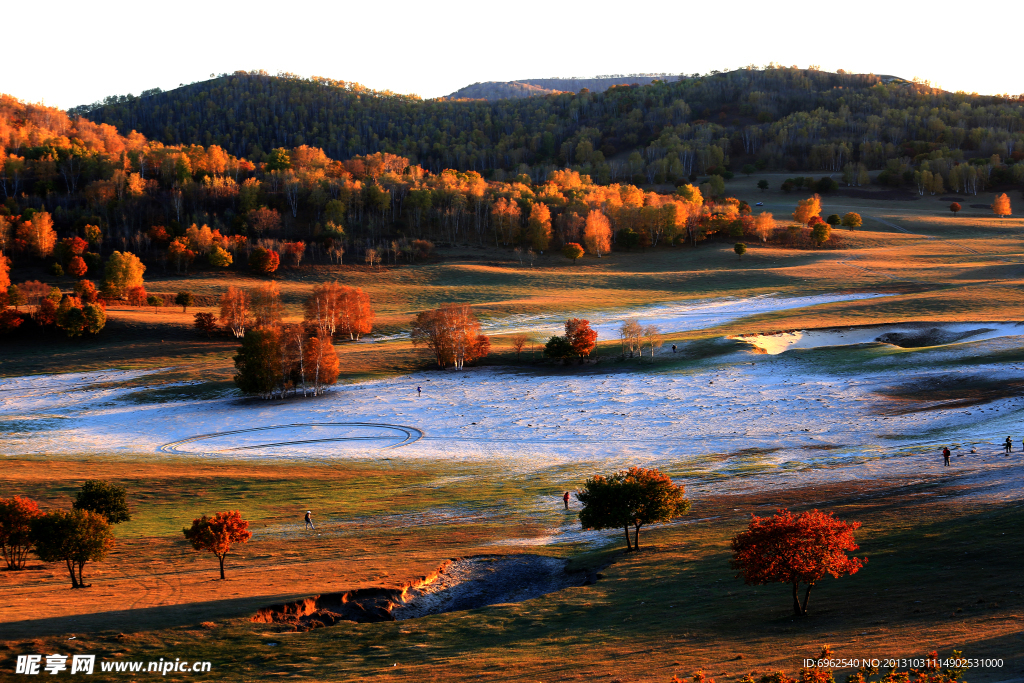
(944, 561)
(942, 575)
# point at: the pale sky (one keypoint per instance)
(68, 54)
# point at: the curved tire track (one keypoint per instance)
(412, 435)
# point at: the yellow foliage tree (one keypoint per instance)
(806, 209)
(540, 226)
(597, 233)
(1001, 205)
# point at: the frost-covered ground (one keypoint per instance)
(668, 317)
(724, 419)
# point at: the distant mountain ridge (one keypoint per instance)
(533, 87)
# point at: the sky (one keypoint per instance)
(78, 54)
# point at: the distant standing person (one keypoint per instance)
(419, 391)
(565, 499)
(945, 455)
(309, 520)
(1008, 445)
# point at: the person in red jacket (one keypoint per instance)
(565, 499)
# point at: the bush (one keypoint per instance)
(558, 347)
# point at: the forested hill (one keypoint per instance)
(497, 90)
(777, 118)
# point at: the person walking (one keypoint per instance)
(1008, 445)
(565, 499)
(309, 520)
(945, 455)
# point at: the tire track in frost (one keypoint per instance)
(412, 435)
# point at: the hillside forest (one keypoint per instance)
(85, 199)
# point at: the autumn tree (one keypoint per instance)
(16, 515)
(955, 208)
(355, 314)
(263, 220)
(1001, 205)
(218, 533)
(320, 363)
(123, 271)
(323, 307)
(806, 209)
(70, 316)
(77, 266)
(86, 291)
(184, 299)
(5, 273)
(597, 233)
(76, 537)
(539, 226)
(103, 498)
(630, 333)
(234, 310)
(764, 223)
(38, 234)
(581, 337)
(264, 261)
(452, 333)
(631, 498)
(572, 250)
(518, 342)
(137, 296)
(205, 323)
(795, 549)
(218, 257)
(851, 220)
(650, 335)
(265, 303)
(95, 317)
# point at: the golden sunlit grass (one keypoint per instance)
(941, 575)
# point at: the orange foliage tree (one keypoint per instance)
(320, 363)
(795, 549)
(38, 234)
(597, 233)
(452, 332)
(580, 336)
(806, 209)
(1001, 205)
(234, 310)
(264, 261)
(16, 515)
(218, 533)
(355, 314)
